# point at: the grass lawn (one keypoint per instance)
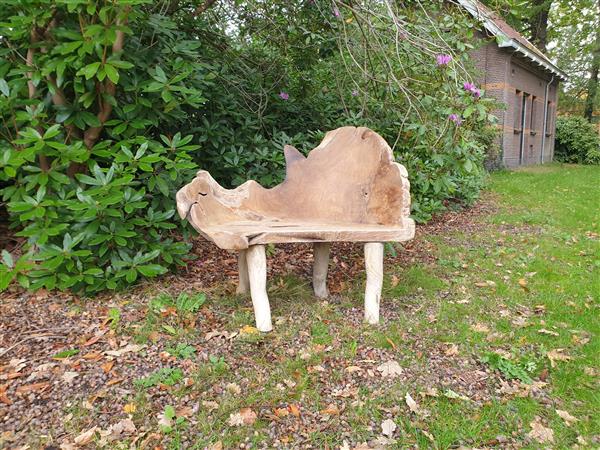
(489, 341)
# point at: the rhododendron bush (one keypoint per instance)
(108, 107)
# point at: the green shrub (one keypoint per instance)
(88, 149)
(576, 141)
(95, 98)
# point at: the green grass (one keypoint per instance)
(537, 255)
(532, 264)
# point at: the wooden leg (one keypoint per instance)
(320, 265)
(244, 283)
(374, 267)
(257, 274)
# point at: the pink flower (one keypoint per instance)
(336, 12)
(443, 60)
(455, 118)
(469, 87)
(284, 95)
(354, 93)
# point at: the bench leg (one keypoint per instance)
(320, 265)
(374, 267)
(244, 284)
(257, 274)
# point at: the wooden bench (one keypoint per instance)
(347, 189)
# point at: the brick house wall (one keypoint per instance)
(520, 86)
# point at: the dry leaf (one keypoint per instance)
(233, 388)
(523, 284)
(247, 329)
(130, 348)
(184, 411)
(86, 437)
(210, 405)
(281, 412)
(390, 369)
(395, 280)
(352, 369)
(557, 355)
(248, 416)
(480, 328)
(331, 410)
(107, 366)
(568, 418)
(125, 426)
(35, 387)
(69, 376)
(539, 432)
(216, 446)
(548, 332)
(129, 408)
(452, 350)
(294, 410)
(412, 405)
(388, 426)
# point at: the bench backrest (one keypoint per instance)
(351, 177)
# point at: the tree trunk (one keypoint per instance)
(538, 23)
(592, 84)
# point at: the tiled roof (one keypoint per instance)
(508, 37)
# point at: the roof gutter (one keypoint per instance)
(505, 42)
(533, 56)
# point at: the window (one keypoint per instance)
(533, 117)
(518, 110)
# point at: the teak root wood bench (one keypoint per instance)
(347, 189)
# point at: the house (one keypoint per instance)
(519, 75)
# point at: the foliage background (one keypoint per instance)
(108, 108)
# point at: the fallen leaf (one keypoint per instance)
(412, 405)
(388, 426)
(449, 393)
(32, 387)
(557, 355)
(548, 332)
(184, 411)
(331, 410)
(107, 366)
(93, 340)
(210, 405)
(85, 437)
(93, 356)
(568, 418)
(395, 280)
(124, 427)
(247, 329)
(130, 348)
(390, 369)
(294, 410)
(129, 408)
(233, 388)
(523, 284)
(539, 432)
(245, 417)
(216, 446)
(352, 369)
(69, 376)
(452, 350)
(281, 412)
(480, 328)
(3, 397)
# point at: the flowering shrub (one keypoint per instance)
(108, 107)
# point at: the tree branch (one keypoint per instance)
(203, 7)
(92, 134)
